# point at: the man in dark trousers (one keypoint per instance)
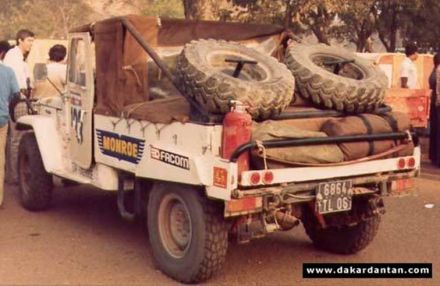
(15, 59)
(8, 90)
(434, 117)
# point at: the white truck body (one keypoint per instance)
(194, 197)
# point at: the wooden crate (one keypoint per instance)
(414, 102)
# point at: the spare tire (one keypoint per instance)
(358, 87)
(267, 87)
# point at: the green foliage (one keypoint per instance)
(258, 11)
(46, 18)
(424, 27)
(354, 21)
(165, 8)
(392, 16)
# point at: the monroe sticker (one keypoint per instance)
(170, 158)
(122, 147)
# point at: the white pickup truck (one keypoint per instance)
(100, 133)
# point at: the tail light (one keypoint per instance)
(255, 178)
(268, 177)
(411, 162)
(401, 163)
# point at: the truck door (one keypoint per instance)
(80, 91)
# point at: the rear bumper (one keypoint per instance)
(301, 175)
(305, 190)
(248, 201)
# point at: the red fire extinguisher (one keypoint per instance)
(237, 131)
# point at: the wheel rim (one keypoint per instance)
(25, 173)
(249, 72)
(175, 228)
(349, 70)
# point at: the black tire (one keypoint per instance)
(35, 184)
(345, 239)
(360, 87)
(203, 232)
(204, 75)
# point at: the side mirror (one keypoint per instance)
(40, 71)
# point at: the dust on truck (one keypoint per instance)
(202, 121)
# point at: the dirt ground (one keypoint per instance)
(83, 241)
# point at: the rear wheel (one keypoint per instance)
(35, 184)
(354, 232)
(188, 234)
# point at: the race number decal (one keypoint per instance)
(77, 120)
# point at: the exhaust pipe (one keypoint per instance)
(285, 220)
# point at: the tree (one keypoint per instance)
(164, 8)
(10, 17)
(258, 11)
(391, 16)
(356, 23)
(318, 16)
(424, 26)
(302, 16)
(47, 18)
(206, 9)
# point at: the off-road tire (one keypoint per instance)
(363, 91)
(205, 252)
(344, 239)
(35, 184)
(205, 76)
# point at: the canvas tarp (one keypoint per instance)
(270, 130)
(368, 124)
(121, 69)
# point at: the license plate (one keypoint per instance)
(334, 197)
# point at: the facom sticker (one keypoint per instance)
(170, 158)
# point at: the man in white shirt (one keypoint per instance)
(408, 70)
(15, 57)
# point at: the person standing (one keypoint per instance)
(15, 59)
(56, 74)
(8, 89)
(434, 117)
(408, 70)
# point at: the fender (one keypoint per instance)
(48, 139)
(169, 163)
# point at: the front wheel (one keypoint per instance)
(35, 184)
(188, 234)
